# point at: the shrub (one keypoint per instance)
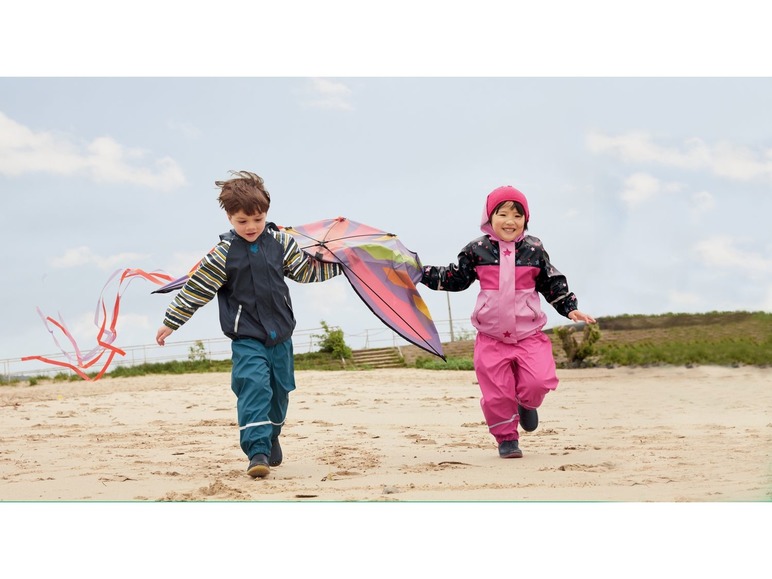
(578, 353)
(197, 352)
(332, 342)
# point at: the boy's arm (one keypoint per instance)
(301, 268)
(200, 288)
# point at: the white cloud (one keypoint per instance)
(721, 252)
(79, 256)
(741, 163)
(637, 147)
(723, 159)
(323, 93)
(642, 187)
(703, 201)
(23, 150)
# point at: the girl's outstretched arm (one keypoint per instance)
(578, 316)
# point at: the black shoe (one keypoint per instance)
(510, 449)
(276, 454)
(258, 466)
(529, 418)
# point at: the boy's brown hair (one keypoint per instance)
(244, 192)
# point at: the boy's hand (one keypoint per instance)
(577, 316)
(163, 333)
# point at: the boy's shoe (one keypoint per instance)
(258, 466)
(510, 449)
(529, 418)
(276, 454)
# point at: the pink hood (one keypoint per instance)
(505, 193)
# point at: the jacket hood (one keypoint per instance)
(498, 195)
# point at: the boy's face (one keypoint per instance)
(248, 226)
(508, 223)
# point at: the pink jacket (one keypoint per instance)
(512, 276)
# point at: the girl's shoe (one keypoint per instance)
(510, 449)
(529, 418)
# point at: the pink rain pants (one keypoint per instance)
(509, 374)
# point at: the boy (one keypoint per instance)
(246, 271)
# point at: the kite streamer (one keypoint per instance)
(106, 319)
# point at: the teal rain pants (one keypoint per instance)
(262, 378)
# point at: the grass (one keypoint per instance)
(311, 361)
(713, 338)
(453, 363)
(721, 353)
(174, 367)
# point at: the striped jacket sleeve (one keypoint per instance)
(301, 268)
(200, 288)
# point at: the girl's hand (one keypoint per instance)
(577, 316)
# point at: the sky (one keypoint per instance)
(640, 133)
(651, 195)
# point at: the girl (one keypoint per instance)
(512, 356)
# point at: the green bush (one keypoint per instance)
(318, 361)
(197, 352)
(578, 353)
(332, 342)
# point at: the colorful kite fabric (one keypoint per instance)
(381, 270)
(105, 319)
(176, 283)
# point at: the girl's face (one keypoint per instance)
(507, 222)
(248, 226)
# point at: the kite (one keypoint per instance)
(105, 319)
(382, 271)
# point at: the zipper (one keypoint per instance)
(236, 323)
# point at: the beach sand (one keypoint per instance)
(643, 434)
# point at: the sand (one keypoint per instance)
(664, 434)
